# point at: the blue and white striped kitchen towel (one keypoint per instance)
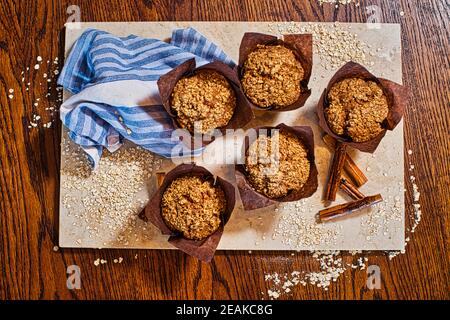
(114, 82)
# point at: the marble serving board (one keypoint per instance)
(290, 227)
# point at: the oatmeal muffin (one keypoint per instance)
(356, 109)
(271, 76)
(206, 97)
(193, 206)
(275, 175)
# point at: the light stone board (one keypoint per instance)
(286, 227)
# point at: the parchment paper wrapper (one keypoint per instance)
(252, 199)
(201, 249)
(397, 97)
(301, 46)
(243, 113)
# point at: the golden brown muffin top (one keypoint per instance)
(205, 96)
(273, 173)
(356, 108)
(271, 76)
(193, 206)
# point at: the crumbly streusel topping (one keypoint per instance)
(357, 109)
(205, 96)
(273, 173)
(272, 76)
(193, 206)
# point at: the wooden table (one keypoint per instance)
(29, 161)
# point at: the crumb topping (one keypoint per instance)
(357, 108)
(193, 206)
(206, 97)
(272, 76)
(273, 173)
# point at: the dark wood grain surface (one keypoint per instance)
(29, 162)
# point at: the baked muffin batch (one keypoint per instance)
(275, 166)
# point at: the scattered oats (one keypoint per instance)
(11, 90)
(55, 248)
(299, 230)
(410, 152)
(120, 259)
(334, 43)
(39, 58)
(36, 66)
(273, 294)
(45, 75)
(10, 96)
(105, 198)
(97, 262)
(102, 261)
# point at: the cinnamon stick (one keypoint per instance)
(350, 167)
(353, 172)
(349, 207)
(335, 171)
(350, 189)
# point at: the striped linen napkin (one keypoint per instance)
(115, 94)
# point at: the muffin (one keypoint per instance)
(207, 97)
(357, 109)
(275, 175)
(193, 206)
(271, 76)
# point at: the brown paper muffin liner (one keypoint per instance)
(243, 113)
(397, 97)
(201, 249)
(251, 199)
(301, 46)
